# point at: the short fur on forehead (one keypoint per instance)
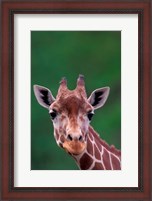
(73, 104)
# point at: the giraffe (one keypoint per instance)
(71, 113)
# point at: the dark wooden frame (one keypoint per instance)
(144, 10)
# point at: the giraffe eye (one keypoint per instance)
(90, 115)
(53, 114)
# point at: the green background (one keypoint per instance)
(55, 54)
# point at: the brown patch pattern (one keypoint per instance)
(85, 162)
(97, 153)
(62, 139)
(91, 137)
(103, 143)
(98, 144)
(106, 160)
(115, 162)
(98, 166)
(89, 147)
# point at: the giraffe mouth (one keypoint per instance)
(74, 147)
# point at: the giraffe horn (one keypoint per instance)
(63, 85)
(81, 85)
(80, 80)
(63, 82)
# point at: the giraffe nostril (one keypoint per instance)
(77, 138)
(80, 138)
(69, 137)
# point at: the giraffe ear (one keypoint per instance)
(98, 97)
(43, 96)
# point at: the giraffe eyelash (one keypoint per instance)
(90, 115)
(53, 114)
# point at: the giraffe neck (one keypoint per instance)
(98, 154)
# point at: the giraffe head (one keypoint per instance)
(71, 112)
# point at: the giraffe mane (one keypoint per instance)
(111, 148)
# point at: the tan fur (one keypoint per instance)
(74, 147)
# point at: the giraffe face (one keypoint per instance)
(71, 113)
(71, 116)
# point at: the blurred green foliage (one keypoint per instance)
(55, 54)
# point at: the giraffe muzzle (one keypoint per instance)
(74, 144)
